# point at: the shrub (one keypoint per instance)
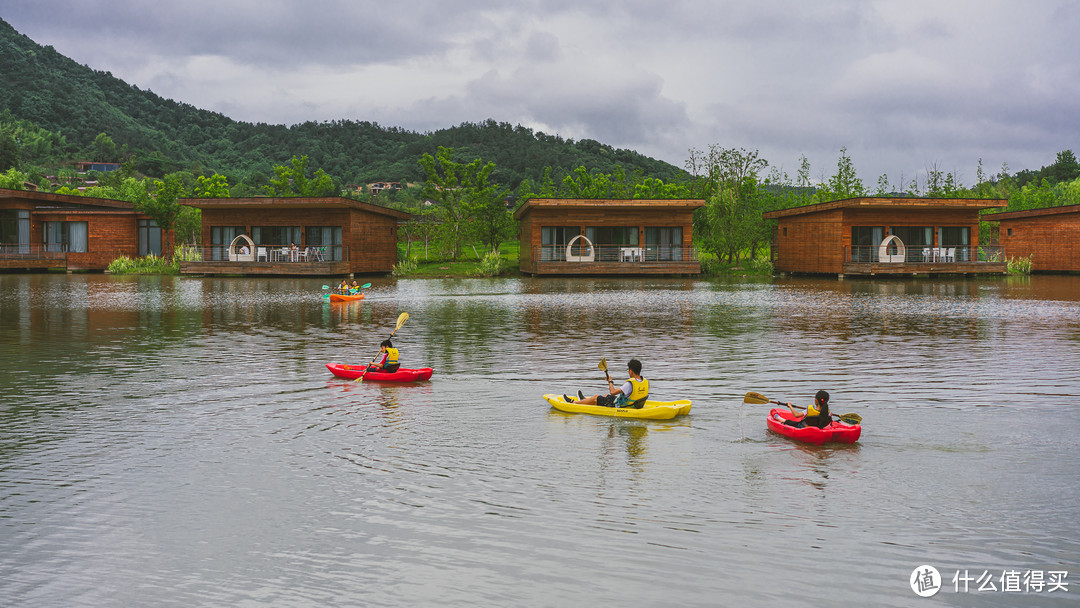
(1019, 265)
(492, 265)
(404, 267)
(150, 264)
(761, 266)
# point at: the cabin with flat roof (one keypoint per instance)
(1049, 236)
(327, 235)
(608, 236)
(42, 230)
(885, 236)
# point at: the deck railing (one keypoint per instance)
(649, 255)
(9, 251)
(929, 255)
(273, 255)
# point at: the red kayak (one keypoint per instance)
(352, 372)
(836, 432)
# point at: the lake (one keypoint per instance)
(169, 441)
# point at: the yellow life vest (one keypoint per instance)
(812, 410)
(639, 394)
(391, 356)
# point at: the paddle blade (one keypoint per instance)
(850, 418)
(326, 287)
(365, 286)
(401, 320)
(756, 398)
(603, 364)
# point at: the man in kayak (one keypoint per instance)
(633, 393)
(817, 415)
(389, 362)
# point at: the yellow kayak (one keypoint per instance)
(653, 410)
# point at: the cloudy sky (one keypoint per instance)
(903, 85)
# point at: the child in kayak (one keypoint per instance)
(344, 287)
(389, 362)
(817, 415)
(633, 393)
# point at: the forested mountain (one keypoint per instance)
(63, 107)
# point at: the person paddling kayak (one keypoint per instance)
(633, 393)
(817, 415)
(389, 362)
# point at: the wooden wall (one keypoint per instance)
(811, 243)
(584, 217)
(1052, 241)
(110, 234)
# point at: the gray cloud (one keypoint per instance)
(901, 85)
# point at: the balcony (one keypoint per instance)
(269, 260)
(924, 260)
(614, 260)
(25, 256)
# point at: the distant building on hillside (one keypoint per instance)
(82, 166)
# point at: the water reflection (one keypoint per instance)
(154, 425)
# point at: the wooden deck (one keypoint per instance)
(616, 268)
(913, 268)
(267, 268)
(31, 263)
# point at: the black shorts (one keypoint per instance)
(607, 400)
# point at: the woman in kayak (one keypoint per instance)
(817, 415)
(633, 393)
(389, 362)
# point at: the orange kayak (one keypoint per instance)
(337, 297)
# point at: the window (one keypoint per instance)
(554, 239)
(276, 236)
(865, 241)
(609, 239)
(956, 237)
(149, 238)
(914, 236)
(72, 237)
(1009, 232)
(14, 231)
(663, 243)
(327, 239)
(220, 239)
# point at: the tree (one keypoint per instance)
(732, 215)
(215, 186)
(293, 180)
(845, 183)
(163, 207)
(105, 148)
(9, 151)
(463, 192)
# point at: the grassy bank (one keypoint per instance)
(468, 266)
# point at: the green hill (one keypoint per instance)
(60, 107)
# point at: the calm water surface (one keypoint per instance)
(178, 442)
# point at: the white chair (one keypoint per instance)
(262, 256)
(926, 254)
(950, 254)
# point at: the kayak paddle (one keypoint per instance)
(400, 321)
(759, 399)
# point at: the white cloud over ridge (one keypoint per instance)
(901, 85)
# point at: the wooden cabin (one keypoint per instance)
(41, 230)
(294, 236)
(885, 236)
(608, 236)
(1048, 235)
